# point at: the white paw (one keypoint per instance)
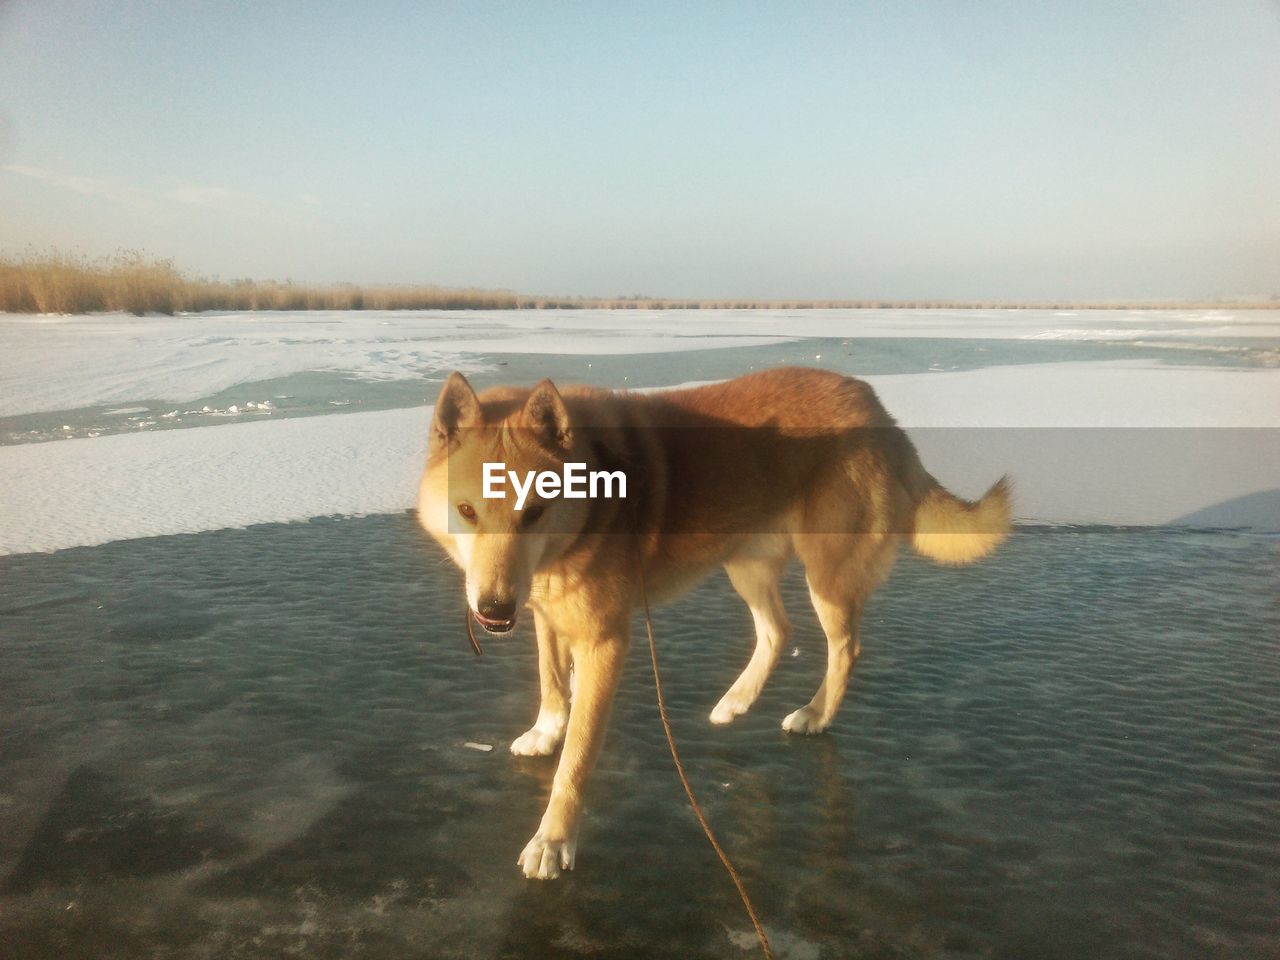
(804, 720)
(543, 737)
(543, 859)
(536, 743)
(728, 709)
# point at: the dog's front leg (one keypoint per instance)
(597, 666)
(554, 665)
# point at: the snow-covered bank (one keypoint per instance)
(1121, 393)
(1104, 443)
(87, 492)
(1113, 443)
(63, 363)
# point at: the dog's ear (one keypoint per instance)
(457, 408)
(546, 416)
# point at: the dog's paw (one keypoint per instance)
(536, 743)
(543, 858)
(805, 720)
(728, 709)
(542, 738)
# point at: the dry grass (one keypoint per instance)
(56, 282)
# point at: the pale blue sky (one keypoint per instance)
(945, 149)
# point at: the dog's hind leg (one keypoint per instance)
(841, 572)
(554, 670)
(756, 581)
(840, 624)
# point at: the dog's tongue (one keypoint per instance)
(496, 626)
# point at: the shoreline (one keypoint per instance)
(532, 304)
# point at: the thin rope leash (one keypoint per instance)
(688, 789)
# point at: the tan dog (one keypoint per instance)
(743, 474)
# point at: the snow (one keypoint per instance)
(1116, 443)
(62, 363)
(1116, 393)
(86, 492)
(1152, 444)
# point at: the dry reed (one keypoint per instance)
(56, 282)
(130, 281)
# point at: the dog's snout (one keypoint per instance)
(496, 608)
(496, 614)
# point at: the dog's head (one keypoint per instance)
(498, 546)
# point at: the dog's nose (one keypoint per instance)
(491, 608)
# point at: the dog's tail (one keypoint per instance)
(955, 531)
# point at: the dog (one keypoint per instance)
(743, 474)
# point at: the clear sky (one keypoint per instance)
(701, 149)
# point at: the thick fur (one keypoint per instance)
(743, 475)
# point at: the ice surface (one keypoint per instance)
(54, 362)
(249, 744)
(1150, 442)
(260, 742)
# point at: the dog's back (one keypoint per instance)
(799, 451)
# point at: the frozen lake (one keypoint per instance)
(250, 744)
(236, 688)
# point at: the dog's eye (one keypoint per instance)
(468, 512)
(531, 514)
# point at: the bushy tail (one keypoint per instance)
(954, 531)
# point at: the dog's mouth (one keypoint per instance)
(494, 626)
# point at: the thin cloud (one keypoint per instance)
(222, 199)
(87, 186)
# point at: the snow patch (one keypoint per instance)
(64, 363)
(1149, 445)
